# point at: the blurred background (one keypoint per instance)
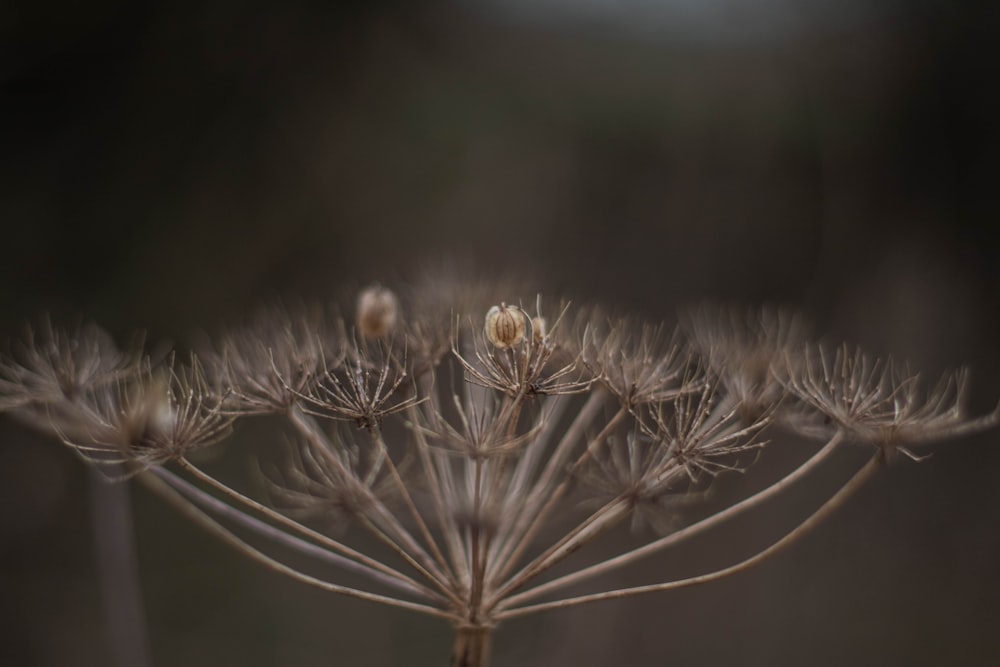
(166, 166)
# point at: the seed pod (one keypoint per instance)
(504, 326)
(378, 309)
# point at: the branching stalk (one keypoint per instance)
(351, 560)
(679, 536)
(202, 519)
(825, 510)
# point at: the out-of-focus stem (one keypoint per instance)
(110, 506)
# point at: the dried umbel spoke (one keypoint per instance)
(475, 445)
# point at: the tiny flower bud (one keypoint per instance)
(538, 329)
(377, 311)
(504, 326)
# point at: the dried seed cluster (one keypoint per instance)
(460, 447)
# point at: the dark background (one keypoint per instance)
(167, 166)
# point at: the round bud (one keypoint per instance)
(504, 326)
(538, 329)
(378, 309)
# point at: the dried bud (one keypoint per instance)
(539, 328)
(504, 326)
(377, 311)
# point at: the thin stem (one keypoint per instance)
(690, 531)
(475, 533)
(447, 526)
(534, 498)
(408, 501)
(587, 530)
(175, 498)
(427, 567)
(379, 534)
(512, 496)
(361, 563)
(483, 539)
(551, 413)
(575, 431)
(825, 510)
(554, 498)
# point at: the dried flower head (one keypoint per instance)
(876, 401)
(638, 363)
(366, 388)
(52, 365)
(151, 416)
(269, 362)
(538, 367)
(476, 473)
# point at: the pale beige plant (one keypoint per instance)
(478, 442)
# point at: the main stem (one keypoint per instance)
(472, 646)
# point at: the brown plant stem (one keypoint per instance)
(679, 536)
(175, 498)
(523, 514)
(381, 522)
(538, 519)
(334, 552)
(825, 510)
(114, 542)
(472, 646)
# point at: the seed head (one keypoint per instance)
(459, 449)
(505, 326)
(378, 309)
